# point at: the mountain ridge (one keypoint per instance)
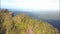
(23, 24)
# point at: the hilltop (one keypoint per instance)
(23, 24)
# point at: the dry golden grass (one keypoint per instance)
(23, 24)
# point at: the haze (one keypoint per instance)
(29, 5)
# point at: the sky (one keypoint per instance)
(29, 5)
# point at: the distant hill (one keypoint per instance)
(40, 14)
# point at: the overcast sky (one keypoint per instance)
(29, 5)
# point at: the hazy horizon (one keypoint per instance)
(31, 5)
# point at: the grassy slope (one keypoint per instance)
(23, 24)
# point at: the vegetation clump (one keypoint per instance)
(23, 24)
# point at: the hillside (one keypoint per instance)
(23, 24)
